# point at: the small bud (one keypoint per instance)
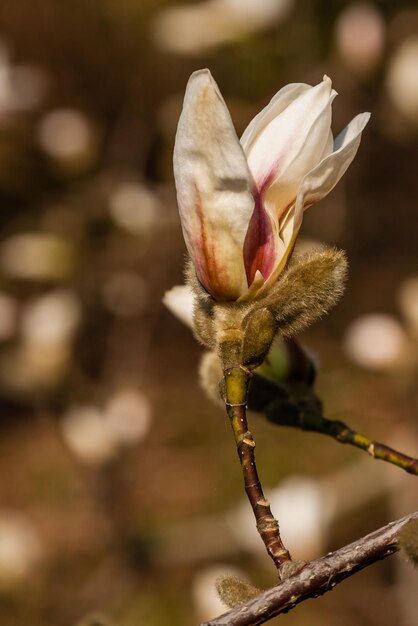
(259, 331)
(408, 541)
(233, 591)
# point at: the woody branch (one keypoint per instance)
(317, 577)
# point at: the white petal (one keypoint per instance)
(277, 104)
(323, 178)
(329, 146)
(180, 301)
(291, 144)
(317, 184)
(281, 155)
(213, 188)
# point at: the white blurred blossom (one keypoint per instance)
(190, 29)
(127, 416)
(97, 435)
(36, 256)
(22, 87)
(303, 509)
(20, 548)
(134, 208)
(376, 341)
(87, 436)
(51, 319)
(49, 324)
(360, 36)
(40, 358)
(402, 80)
(67, 135)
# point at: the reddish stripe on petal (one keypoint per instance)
(259, 247)
(212, 275)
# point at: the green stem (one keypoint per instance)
(236, 387)
(314, 422)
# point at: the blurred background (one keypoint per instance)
(120, 494)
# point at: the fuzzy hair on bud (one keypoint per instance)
(203, 326)
(233, 591)
(213, 322)
(203, 313)
(307, 290)
(408, 541)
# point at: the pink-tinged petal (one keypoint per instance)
(277, 104)
(267, 245)
(180, 301)
(214, 188)
(265, 248)
(290, 146)
(323, 178)
(285, 243)
(260, 247)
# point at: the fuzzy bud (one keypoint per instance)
(307, 290)
(233, 591)
(408, 541)
(203, 326)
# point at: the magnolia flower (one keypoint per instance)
(241, 201)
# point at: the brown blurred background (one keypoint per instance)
(119, 487)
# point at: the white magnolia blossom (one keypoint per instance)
(241, 201)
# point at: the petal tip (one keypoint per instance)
(201, 76)
(328, 83)
(201, 84)
(325, 87)
(363, 119)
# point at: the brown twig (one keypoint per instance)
(317, 577)
(236, 386)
